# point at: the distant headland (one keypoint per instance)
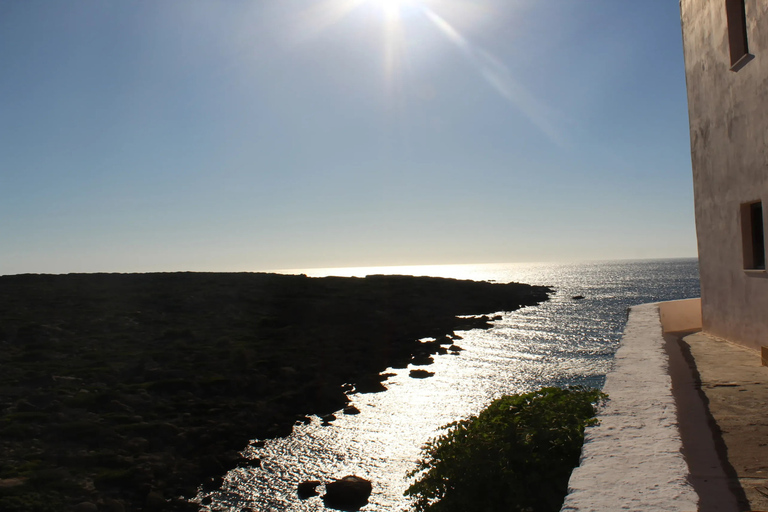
(130, 390)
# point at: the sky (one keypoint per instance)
(282, 134)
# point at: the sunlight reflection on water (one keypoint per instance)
(562, 341)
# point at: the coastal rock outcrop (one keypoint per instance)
(308, 489)
(422, 360)
(348, 493)
(152, 383)
(351, 409)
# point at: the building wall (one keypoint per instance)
(729, 152)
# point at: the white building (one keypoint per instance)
(726, 65)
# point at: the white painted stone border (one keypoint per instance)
(632, 461)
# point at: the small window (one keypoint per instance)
(737, 33)
(753, 239)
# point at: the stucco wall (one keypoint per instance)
(729, 152)
(680, 315)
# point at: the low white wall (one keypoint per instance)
(680, 315)
(632, 460)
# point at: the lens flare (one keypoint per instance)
(494, 71)
(391, 4)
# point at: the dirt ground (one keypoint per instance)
(722, 394)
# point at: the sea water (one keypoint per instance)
(563, 341)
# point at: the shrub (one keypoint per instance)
(516, 455)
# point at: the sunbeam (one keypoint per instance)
(493, 71)
(394, 39)
(499, 77)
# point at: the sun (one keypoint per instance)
(391, 3)
(392, 6)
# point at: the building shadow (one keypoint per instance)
(711, 474)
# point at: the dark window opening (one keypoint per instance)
(758, 241)
(753, 237)
(737, 33)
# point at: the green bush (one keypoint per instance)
(516, 455)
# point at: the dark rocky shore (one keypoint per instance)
(128, 391)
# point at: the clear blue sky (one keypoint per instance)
(269, 134)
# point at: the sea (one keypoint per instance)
(563, 341)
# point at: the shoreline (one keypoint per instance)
(135, 389)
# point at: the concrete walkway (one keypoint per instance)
(632, 461)
(732, 388)
(685, 428)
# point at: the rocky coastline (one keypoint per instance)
(128, 391)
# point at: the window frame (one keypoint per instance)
(753, 236)
(738, 43)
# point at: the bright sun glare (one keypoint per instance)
(396, 13)
(392, 6)
(391, 3)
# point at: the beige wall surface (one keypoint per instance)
(729, 152)
(680, 315)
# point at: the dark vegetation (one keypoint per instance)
(516, 455)
(128, 391)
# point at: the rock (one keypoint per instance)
(166, 430)
(348, 493)
(25, 406)
(328, 418)
(212, 483)
(252, 463)
(231, 458)
(118, 406)
(111, 505)
(577, 297)
(308, 489)
(370, 386)
(351, 409)
(85, 506)
(154, 501)
(400, 363)
(422, 360)
(455, 348)
(12, 482)
(420, 374)
(137, 445)
(182, 505)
